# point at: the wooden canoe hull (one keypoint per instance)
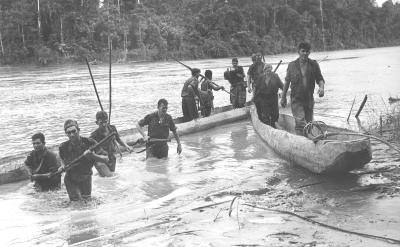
(326, 156)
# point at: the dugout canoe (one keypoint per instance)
(336, 154)
(12, 168)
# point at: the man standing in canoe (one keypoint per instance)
(302, 75)
(189, 94)
(78, 179)
(235, 76)
(110, 147)
(42, 161)
(206, 89)
(266, 96)
(159, 124)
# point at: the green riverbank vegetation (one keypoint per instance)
(56, 31)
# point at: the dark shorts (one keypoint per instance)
(53, 183)
(78, 186)
(302, 112)
(159, 150)
(189, 109)
(238, 95)
(267, 108)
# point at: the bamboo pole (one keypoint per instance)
(38, 19)
(1, 44)
(351, 109)
(110, 88)
(361, 106)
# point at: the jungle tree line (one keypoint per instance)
(62, 30)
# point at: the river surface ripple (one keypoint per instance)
(230, 157)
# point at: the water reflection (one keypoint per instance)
(159, 184)
(239, 142)
(79, 230)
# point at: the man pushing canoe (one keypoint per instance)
(159, 124)
(302, 75)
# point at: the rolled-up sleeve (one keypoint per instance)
(144, 121)
(172, 125)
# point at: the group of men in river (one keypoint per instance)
(79, 154)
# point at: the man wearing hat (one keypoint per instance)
(189, 94)
(105, 129)
(78, 179)
(235, 76)
(255, 71)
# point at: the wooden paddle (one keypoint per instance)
(74, 162)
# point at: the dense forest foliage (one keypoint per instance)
(48, 31)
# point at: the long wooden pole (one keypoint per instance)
(110, 88)
(74, 162)
(361, 106)
(202, 76)
(1, 44)
(94, 85)
(277, 66)
(351, 109)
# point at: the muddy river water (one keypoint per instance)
(156, 202)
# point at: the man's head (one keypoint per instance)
(162, 107)
(304, 50)
(71, 129)
(258, 57)
(235, 61)
(267, 68)
(253, 57)
(102, 119)
(196, 72)
(208, 74)
(38, 141)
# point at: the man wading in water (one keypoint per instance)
(78, 179)
(42, 161)
(110, 147)
(302, 75)
(159, 124)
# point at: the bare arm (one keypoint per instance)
(96, 157)
(179, 148)
(141, 131)
(285, 88)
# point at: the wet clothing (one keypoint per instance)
(78, 188)
(159, 129)
(78, 179)
(207, 96)
(238, 86)
(189, 106)
(266, 98)
(110, 146)
(302, 87)
(189, 109)
(158, 150)
(44, 162)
